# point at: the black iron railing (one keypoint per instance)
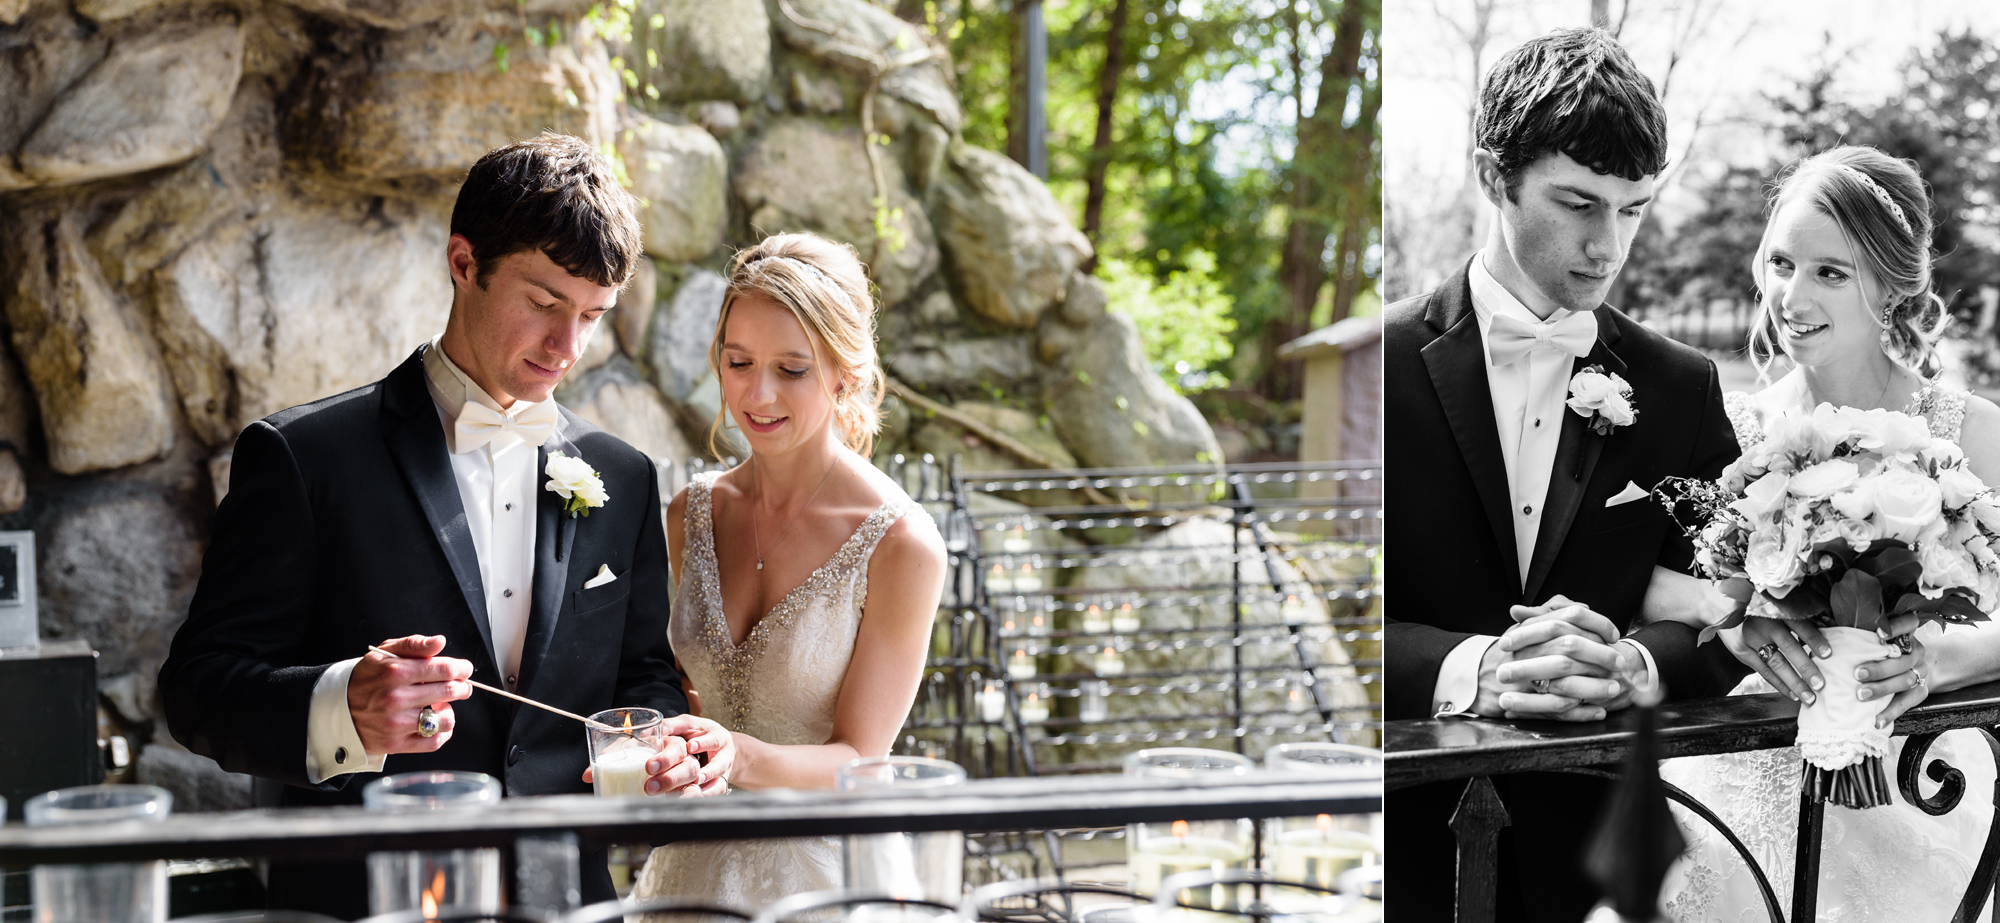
(1475, 750)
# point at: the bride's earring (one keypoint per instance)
(1888, 347)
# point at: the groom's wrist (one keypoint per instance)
(1639, 669)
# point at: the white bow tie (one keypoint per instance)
(1511, 338)
(478, 424)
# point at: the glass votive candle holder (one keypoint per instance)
(1155, 852)
(432, 880)
(618, 757)
(1317, 850)
(120, 892)
(930, 866)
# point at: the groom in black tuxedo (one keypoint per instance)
(1536, 520)
(411, 513)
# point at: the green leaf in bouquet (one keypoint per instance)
(1857, 600)
(1892, 563)
(1806, 601)
(1955, 606)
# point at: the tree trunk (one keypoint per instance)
(1017, 89)
(1319, 175)
(1100, 145)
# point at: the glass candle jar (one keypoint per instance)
(112, 892)
(432, 880)
(907, 865)
(618, 757)
(1155, 852)
(1317, 850)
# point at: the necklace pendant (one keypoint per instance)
(760, 563)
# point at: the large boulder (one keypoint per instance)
(428, 102)
(154, 225)
(1108, 405)
(96, 375)
(198, 784)
(681, 176)
(1009, 243)
(304, 303)
(678, 346)
(17, 401)
(986, 363)
(44, 57)
(808, 175)
(633, 315)
(119, 573)
(625, 406)
(152, 101)
(708, 49)
(861, 38)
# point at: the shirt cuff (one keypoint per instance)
(333, 746)
(1458, 678)
(1652, 669)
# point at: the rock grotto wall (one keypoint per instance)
(210, 211)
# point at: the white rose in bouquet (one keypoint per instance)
(1941, 453)
(1987, 511)
(1859, 533)
(1823, 479)
(1905, 502)
(1795, 434)
(1945, 566)
(1857, 501)
(1764, 497)
(1959, 486)
(1773, 562)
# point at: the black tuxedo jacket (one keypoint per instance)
(1457, 571)
(343, 527)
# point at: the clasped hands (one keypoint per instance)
(1789, 649)
(1560, 661)
(387, 692)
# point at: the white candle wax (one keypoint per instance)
(1022, 666)
(992, 704)
(1162, 857)
(1095, 708)
(1016, 542)
(997, 581)
(1038, 627)
(1109, 663)
(1033, 711)
(620, 773)
(1319, 857)
(1094, 621)
(1125, 620)
(1027, 582)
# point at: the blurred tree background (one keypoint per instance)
(1222, 157)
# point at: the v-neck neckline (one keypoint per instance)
(785, 601)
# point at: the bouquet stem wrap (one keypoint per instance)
(1842, 747)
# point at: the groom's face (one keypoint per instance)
(523, 330)
(1563, 232)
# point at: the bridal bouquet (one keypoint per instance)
(1846, 517)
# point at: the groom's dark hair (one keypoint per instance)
(1575, 92)
(553, 193)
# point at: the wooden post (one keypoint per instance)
(1035, 121)
(1477, 824)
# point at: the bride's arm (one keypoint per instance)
(1677, 597)
(906, 577)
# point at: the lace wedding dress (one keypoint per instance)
(1891, 863)
(780, 686)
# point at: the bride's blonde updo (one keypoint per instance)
(1882, 209)
(821, 282)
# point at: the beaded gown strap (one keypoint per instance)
(1741, 409)
(1943, 408)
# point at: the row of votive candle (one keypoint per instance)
(1035, 706)
(1107, 662)
(999, 580)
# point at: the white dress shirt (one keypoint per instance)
(497, 485)
(1528, 407)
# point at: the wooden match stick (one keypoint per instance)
(523, 699)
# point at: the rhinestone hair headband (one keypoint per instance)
(810, 269)
(1880, 193)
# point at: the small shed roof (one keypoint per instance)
(1345, 335)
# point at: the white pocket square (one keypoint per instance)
(604, 576)
(1629, 494)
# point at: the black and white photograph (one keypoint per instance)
(1689, 367)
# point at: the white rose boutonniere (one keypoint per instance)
(1603, 399)
(572, 479)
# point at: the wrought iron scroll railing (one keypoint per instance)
(1474, 750)
(544, 836)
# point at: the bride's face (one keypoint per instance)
(1823, 299)
(778, 388)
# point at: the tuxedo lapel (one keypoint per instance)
(1576, 461)
(555, 535)
(1456, 361)
(416, 441)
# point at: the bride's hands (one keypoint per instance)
(1906, 677)
(1790, 668)
(705, 736)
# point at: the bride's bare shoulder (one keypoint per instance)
(1979, 436)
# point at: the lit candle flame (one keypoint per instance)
(1027, 570)
(1180, 828)
(433, 894)
(1127, 608)
(1325, 822)
(1093, 609)
(628, 719)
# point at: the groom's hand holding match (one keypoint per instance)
(387, 694)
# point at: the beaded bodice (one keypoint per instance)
(781, 684)
(1943, 408)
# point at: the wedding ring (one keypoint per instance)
(1539, 685)
(427, 722)
(1768, 651)
(1902, 642)
(1918, 676)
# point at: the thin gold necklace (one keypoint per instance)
(757, 475)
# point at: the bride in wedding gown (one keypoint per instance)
(808, 580)
(1844, 270)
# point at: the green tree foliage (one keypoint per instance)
(1215, 103)
(1185, 320)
